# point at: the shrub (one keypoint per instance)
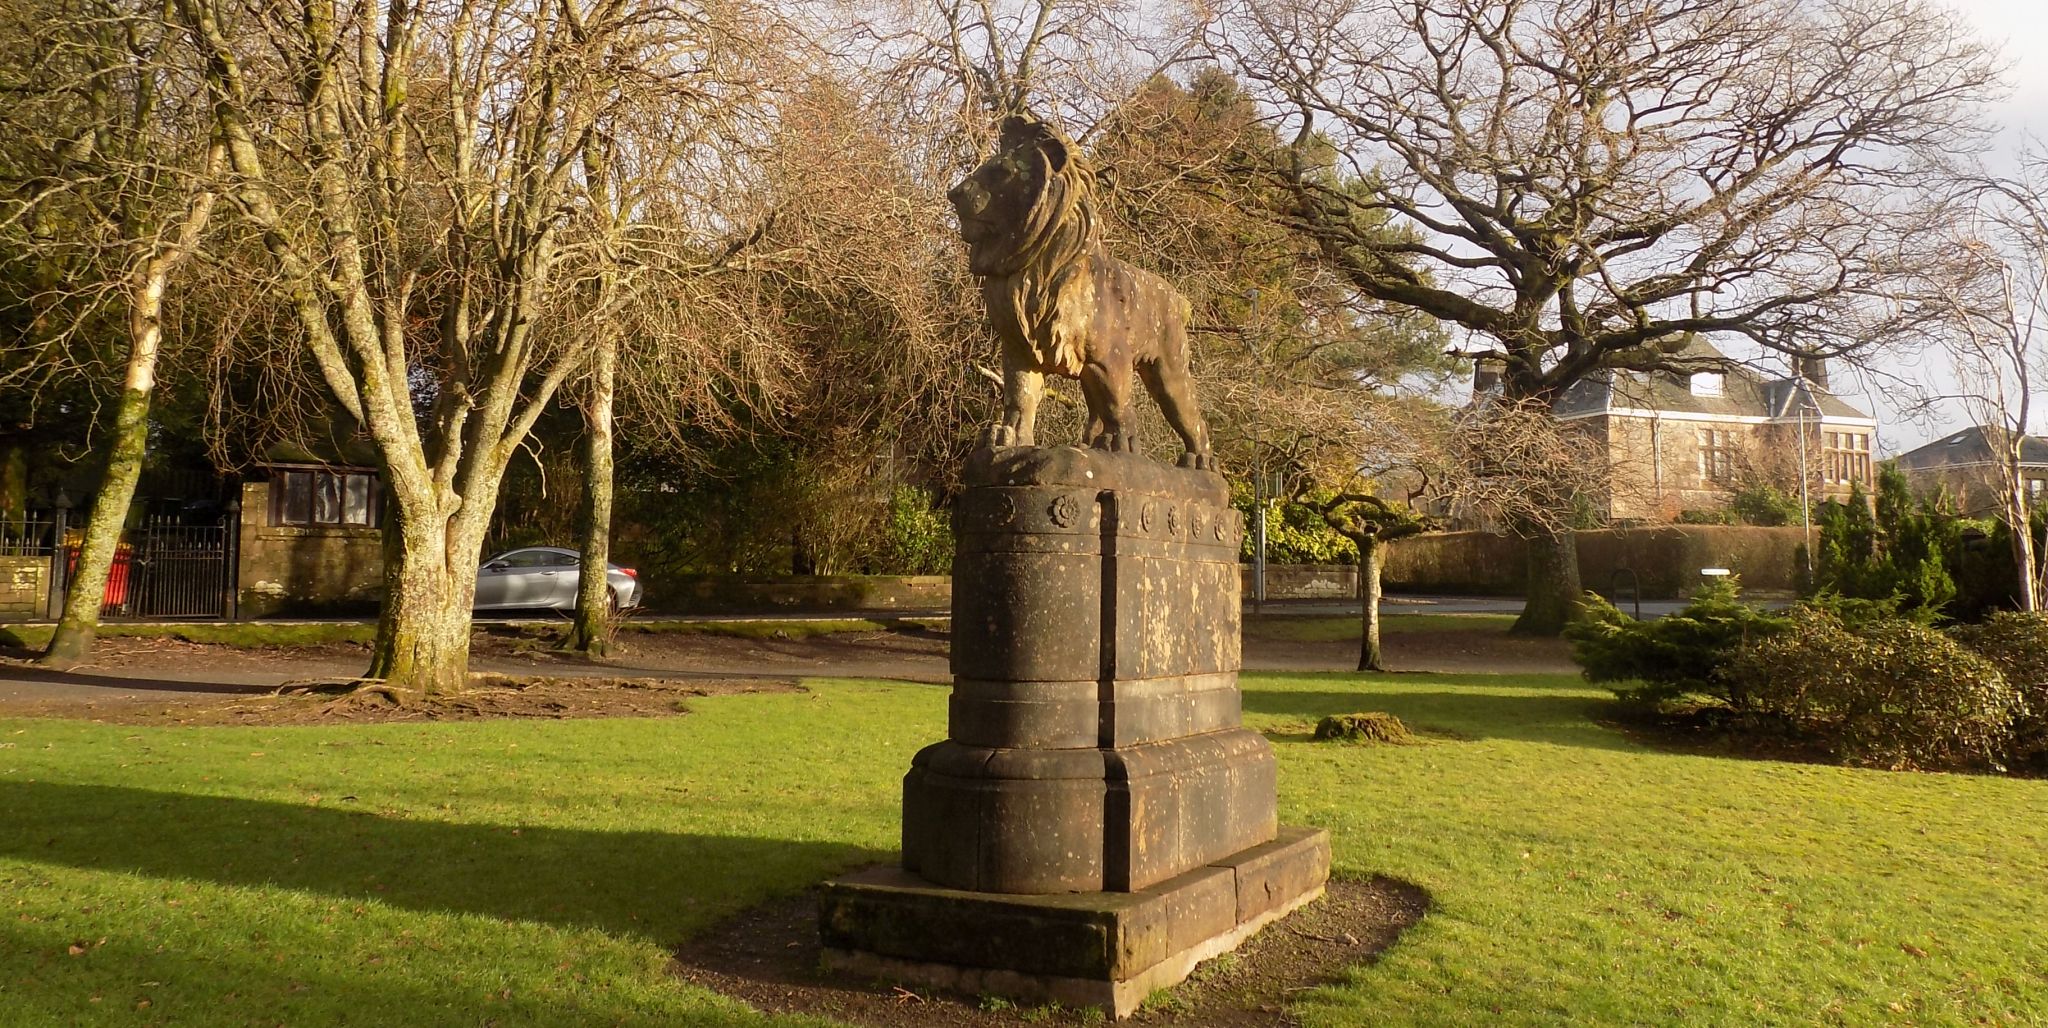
(2017, 644)
(1707, 516)
(1295, 533)
(918, 537)
(1761, 503)
(1889, 693)
(1672, 656)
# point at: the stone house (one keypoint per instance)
(1966, 464)
(1680, 442)
(310, 539)
(287, 537)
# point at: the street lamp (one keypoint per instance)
(1258, 463)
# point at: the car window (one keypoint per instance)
(560, 560)
(524, 558)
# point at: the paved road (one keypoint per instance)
(1407, 604)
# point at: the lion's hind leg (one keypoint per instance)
(1171, 386)
(1110, 424)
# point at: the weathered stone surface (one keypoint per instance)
(1099, 820)
(1027, 215)
(1105, 949)
(304, 569)
(1066, 820)
(1270, 875)
(23, 590)
(1095, 737)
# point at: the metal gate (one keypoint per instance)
(170, 570)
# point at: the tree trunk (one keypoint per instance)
(1370, 560)
(87, 584)
(2019, 521)
(423, 629)
(591, 632)
(1553, 586)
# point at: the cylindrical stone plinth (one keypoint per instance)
(1095, 727)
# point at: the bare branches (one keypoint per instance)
(1590, 179)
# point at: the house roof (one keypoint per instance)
(1744, 392)
(1972, 445)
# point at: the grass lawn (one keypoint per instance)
(539, 872)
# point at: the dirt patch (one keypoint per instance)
(490, 696)
(768, 957)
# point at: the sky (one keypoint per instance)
(2019, 30)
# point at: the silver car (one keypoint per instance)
(546, 576)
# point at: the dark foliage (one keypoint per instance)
(1677, 655)
(1887, 693)
(2017, 644)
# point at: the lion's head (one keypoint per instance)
(1030, 204)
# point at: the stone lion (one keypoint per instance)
(1061, 305)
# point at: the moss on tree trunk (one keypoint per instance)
(86, 589)
(1371, 557)
(424, 627)
(591, 633)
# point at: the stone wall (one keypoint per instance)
(1305, 581)
(742, 594)
(24, 588)
(1666, 559)
(304, 569)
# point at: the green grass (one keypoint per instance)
(1314, 629)
(540, 872)
(246, 634)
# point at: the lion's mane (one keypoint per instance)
(1034, 281)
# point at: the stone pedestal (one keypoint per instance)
(1097, 784)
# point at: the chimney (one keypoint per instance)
(1814, 370)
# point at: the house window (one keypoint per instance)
(2035, 486)
(1845, 457)
(1717, 455)
(1709, 383)
(325, 498)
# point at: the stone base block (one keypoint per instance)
(1097, 949)
(1052, 821)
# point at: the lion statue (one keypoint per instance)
(1061, 305)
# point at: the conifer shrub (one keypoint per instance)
(1885, 693)
(1676, 655)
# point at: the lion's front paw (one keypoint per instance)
(1116, 441)
(1203, 461)
(998, 436)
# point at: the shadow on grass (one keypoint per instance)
(49, 676)
(656, 884)
(1513, 710)
(257, 984)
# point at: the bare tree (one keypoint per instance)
(1998, 305)
(1581, 184)
(121, 199)
(411, 169)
